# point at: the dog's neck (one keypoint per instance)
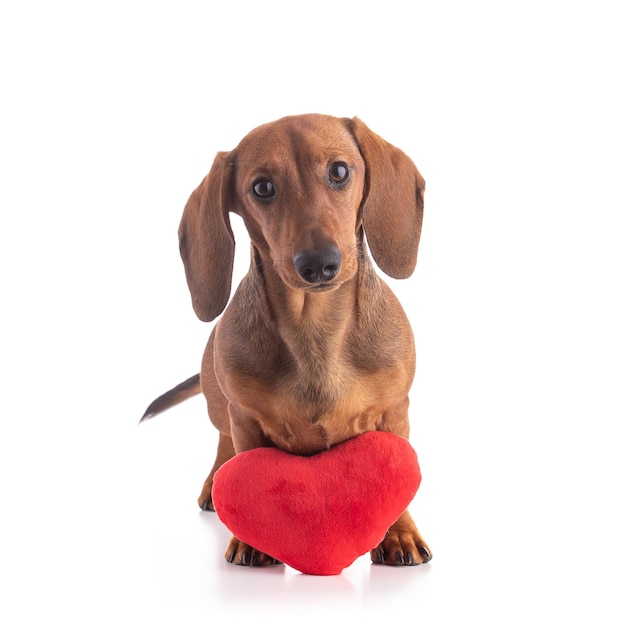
(319, 334)
(314, 326)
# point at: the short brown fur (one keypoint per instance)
(304, 358)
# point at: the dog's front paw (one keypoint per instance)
(403, 545)
(206, 504)
(400, 551)
(240, 553)
(205, 499)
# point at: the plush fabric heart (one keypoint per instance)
(319, 513)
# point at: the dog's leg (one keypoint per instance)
(403, 545)
(217, 405)
(225, 451)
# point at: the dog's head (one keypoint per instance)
(306, 187)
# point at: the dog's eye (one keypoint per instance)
(263, 188)
(338, 172)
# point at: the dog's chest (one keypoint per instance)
(317, 417)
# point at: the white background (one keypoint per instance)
(111, 113)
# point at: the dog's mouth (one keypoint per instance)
(323, 286)
(319, 287)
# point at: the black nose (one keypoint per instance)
(318, 266)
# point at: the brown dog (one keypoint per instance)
(313, 348)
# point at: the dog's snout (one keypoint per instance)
(318, 266)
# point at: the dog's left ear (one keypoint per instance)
(392, 208)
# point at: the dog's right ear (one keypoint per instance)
(207, 242)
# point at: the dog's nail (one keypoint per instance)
(428, 556)
(232, 557)
(410, 559)
(399, 558)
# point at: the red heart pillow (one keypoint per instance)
(319, 513)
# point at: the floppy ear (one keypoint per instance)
(392, 209)
(207, 242)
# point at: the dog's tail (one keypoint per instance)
(180, 393)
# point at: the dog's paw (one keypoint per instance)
(402, 545)
(205, 499)
(206, 504)
(397, 552)
(240, 553)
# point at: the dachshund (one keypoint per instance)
(314, 348)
